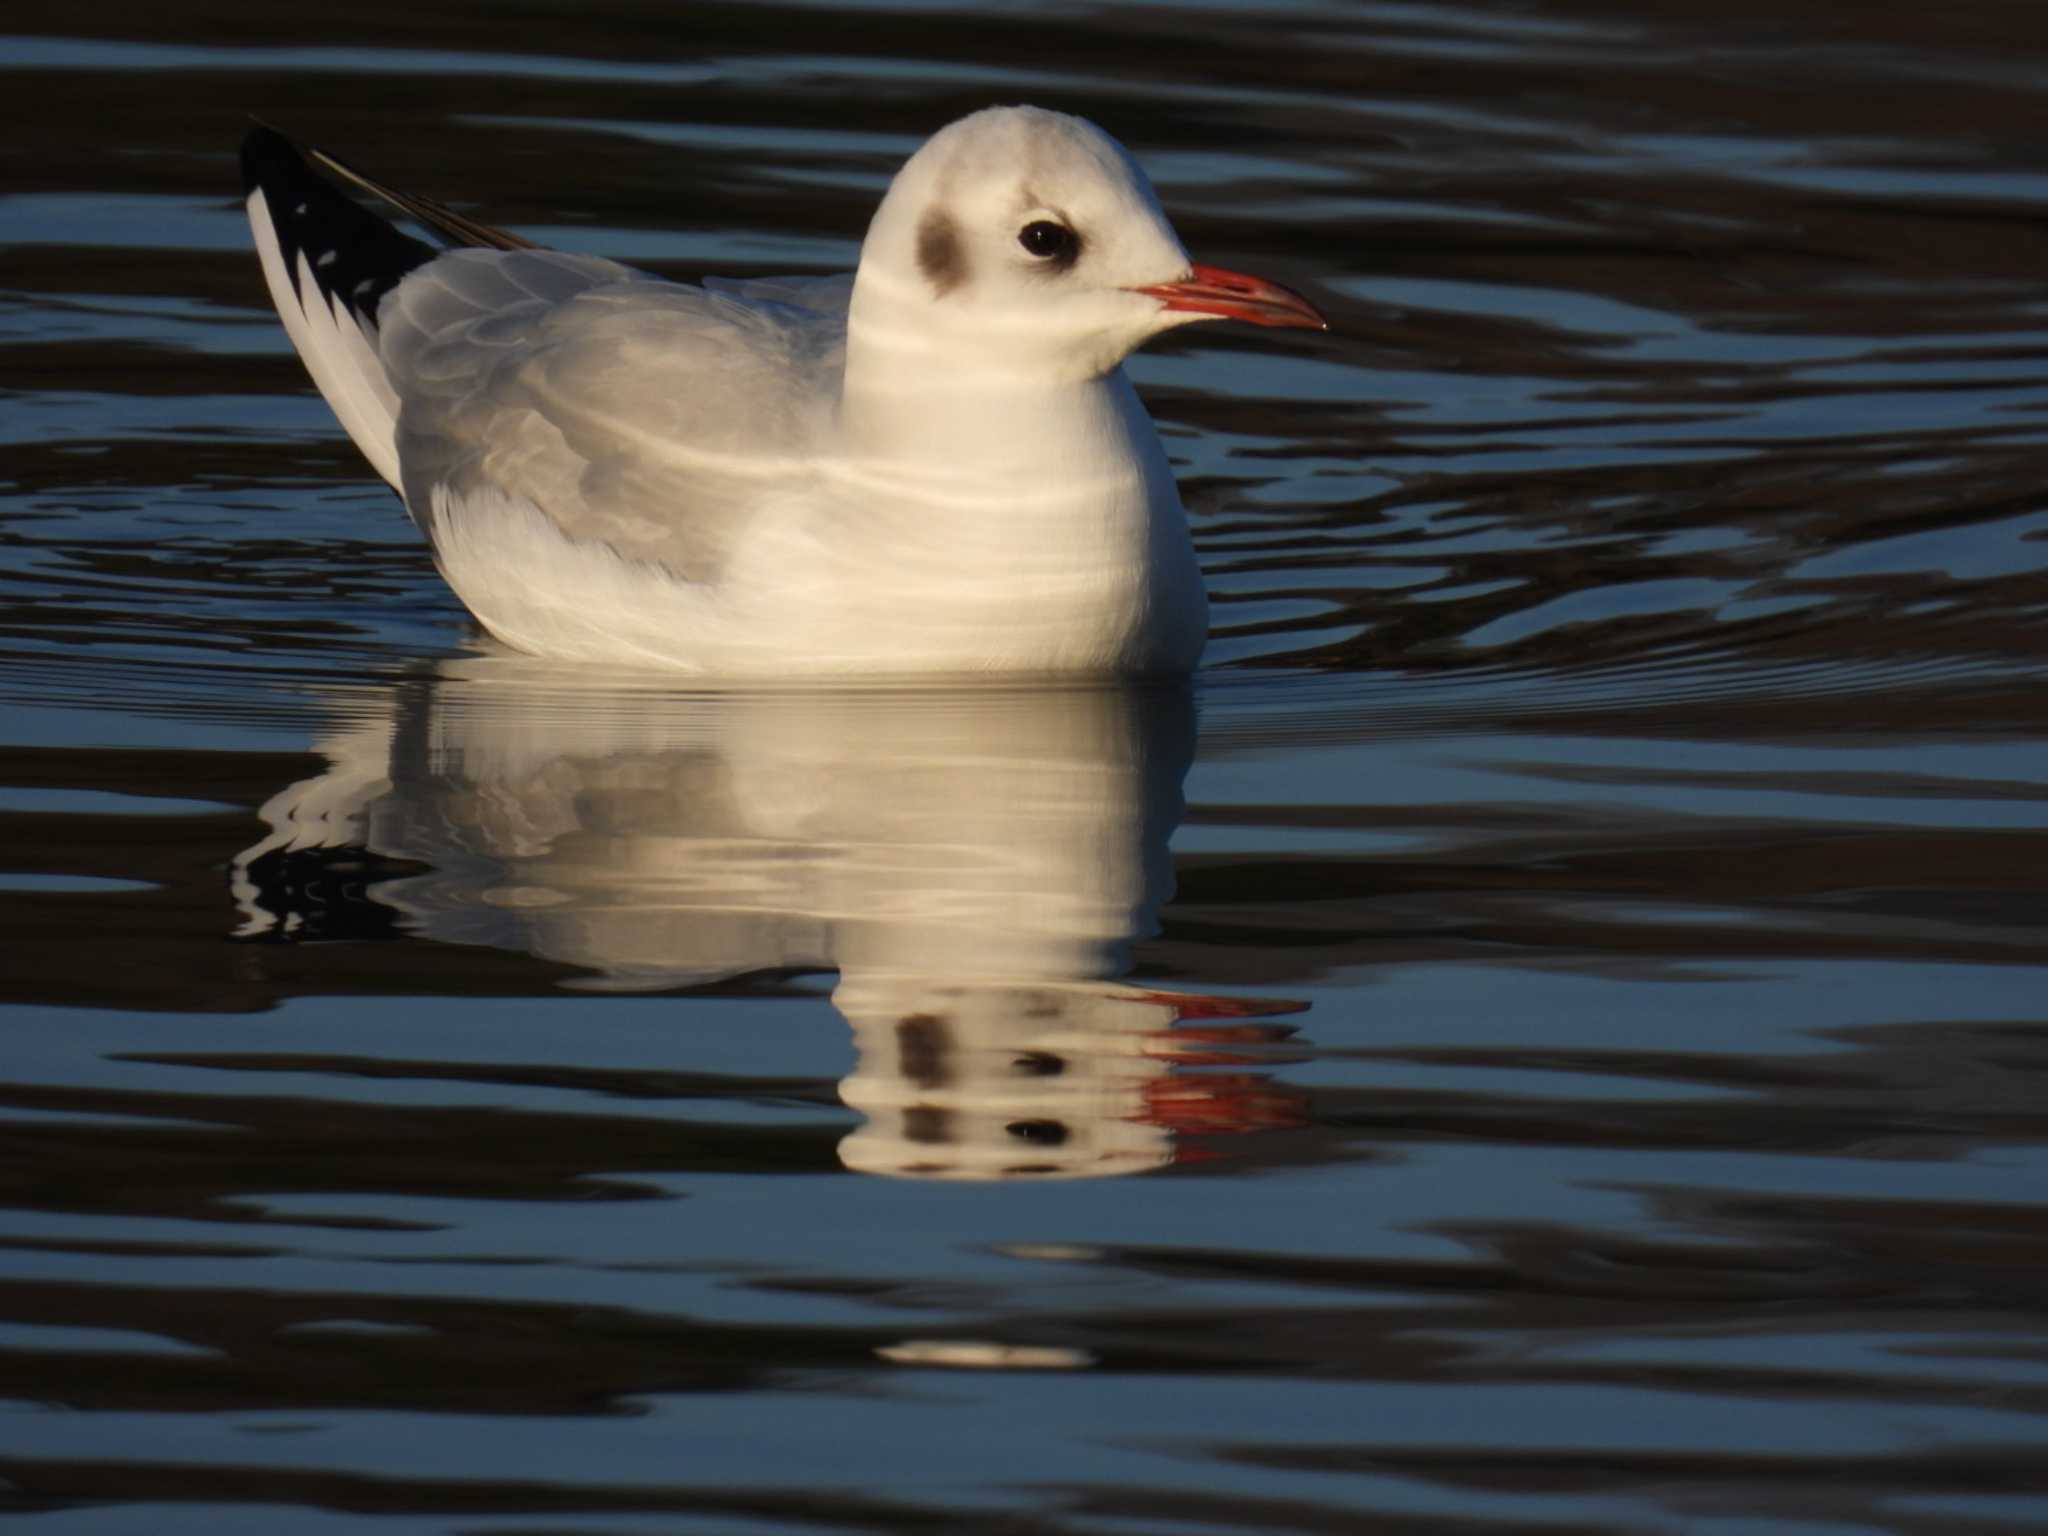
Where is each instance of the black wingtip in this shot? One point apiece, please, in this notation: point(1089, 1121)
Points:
point(275, 162)
point(355, 256)
point(268, 157)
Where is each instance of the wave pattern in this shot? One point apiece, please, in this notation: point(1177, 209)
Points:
point(1572, 1021)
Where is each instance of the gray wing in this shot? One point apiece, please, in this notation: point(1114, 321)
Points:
point(646, 415)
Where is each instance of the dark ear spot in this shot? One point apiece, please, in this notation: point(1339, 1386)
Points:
point(939, 255)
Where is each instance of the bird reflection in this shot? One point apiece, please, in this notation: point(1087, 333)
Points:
point(974, 864)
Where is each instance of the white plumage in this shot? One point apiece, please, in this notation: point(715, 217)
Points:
point(935, 466)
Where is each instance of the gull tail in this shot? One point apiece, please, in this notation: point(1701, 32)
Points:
point(329, 263)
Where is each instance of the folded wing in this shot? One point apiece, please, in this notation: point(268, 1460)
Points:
point(652, 417)
point(648, 417)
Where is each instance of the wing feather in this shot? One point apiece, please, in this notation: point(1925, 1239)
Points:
point(648, 416)
point(328, 265)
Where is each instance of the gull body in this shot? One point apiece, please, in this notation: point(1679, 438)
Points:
point(935, 466)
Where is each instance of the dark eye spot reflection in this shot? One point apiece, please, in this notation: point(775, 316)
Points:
point(1040, 1133)
point(1050, 242)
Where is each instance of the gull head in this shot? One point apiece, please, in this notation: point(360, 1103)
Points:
point(1027, 240)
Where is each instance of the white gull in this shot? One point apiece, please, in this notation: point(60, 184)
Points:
point(934, 466)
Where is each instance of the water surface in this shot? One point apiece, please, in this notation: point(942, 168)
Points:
point(1547, 1033)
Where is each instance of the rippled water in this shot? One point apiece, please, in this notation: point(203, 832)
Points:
point(1549, 1033)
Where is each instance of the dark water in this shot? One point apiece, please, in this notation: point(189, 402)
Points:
point(1550, 1033)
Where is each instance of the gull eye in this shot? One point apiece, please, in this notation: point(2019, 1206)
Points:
point(1050, 242)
